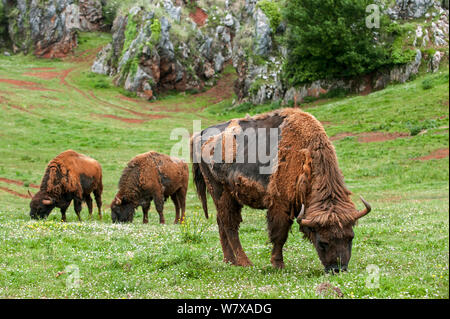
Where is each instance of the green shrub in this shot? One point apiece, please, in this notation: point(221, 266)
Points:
point(101, 84)
point(156, 31)
point(417, 127)
point(109, 11)
point(330, 40)
point(3, 21)
point(272, 11)
point(427, 84)
point(192, 228)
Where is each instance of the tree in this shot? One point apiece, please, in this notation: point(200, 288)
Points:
point(329, 39)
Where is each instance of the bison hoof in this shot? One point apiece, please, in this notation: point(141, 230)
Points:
point(244, 263)
point(278, 264)
point(145, 221)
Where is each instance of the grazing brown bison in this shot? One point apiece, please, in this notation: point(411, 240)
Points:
point(301, 181)
point(68, 176)
point(151, 176)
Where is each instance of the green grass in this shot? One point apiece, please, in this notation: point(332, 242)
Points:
point(406, 235)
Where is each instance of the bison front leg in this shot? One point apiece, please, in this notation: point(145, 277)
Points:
point(63, 211)
point(278, 224)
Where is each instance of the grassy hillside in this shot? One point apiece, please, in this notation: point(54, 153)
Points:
point(50, 106)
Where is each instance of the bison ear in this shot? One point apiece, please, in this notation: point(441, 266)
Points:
point(48, 201)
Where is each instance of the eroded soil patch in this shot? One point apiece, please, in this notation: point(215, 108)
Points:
point(380, 137)
point(436, 154)
point(14, 192)
point(199, 16)
point(25, 84)
point(370, 137)
point(15, 182)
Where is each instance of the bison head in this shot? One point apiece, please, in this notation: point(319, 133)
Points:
point(41, 205)
point(122, 211)
point(333, 242)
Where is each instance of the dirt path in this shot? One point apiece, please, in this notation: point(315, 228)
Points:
point(26, 196)
point(370, 137)
point(436, 154)
point(18, 183)
point(26, 85)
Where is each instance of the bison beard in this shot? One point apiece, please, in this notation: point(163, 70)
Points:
point(305, 185)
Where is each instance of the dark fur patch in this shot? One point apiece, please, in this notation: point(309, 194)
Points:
point(87, 183)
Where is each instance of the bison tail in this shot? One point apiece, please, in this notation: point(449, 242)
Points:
point(200, 186)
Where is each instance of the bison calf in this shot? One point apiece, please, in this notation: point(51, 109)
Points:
point(151, 176)
point(68, 176)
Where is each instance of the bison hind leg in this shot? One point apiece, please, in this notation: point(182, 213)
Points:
point(228, 219)
point(175, 201)
point(145, 209)
point(77, 206)
point(88, 200)
point(98, 201)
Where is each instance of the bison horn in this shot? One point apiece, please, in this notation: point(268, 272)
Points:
point(30, 194)
point(302, 221)
point(301, 214)
point(47, 201)
point(365, 211)
point(117, 200)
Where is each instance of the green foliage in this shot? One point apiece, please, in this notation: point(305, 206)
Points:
point(330, 40)
point(109, 11)
point(131, 31)
point(415, 127)
point(430, 82)
point(427, 84)
point(155, 27)
point(272, 10)
point(192, 228)
point(3, 21)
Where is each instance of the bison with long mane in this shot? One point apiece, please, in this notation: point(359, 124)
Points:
point(301, 182)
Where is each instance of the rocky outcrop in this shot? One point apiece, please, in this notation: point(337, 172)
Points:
point(258, 55)
point(91, 17)
point(48, 28)
point(406, 9)
point(161, 48)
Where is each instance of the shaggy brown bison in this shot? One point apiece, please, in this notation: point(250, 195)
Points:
point(151, 176)
point(299, 180)
point(68, 176)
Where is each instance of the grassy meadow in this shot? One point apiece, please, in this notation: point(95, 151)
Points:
point(401, 249)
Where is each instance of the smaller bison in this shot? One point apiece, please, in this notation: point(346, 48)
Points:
point(68, 176)
point(151, 176)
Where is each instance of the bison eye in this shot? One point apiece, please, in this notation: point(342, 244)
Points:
point(323, 245)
